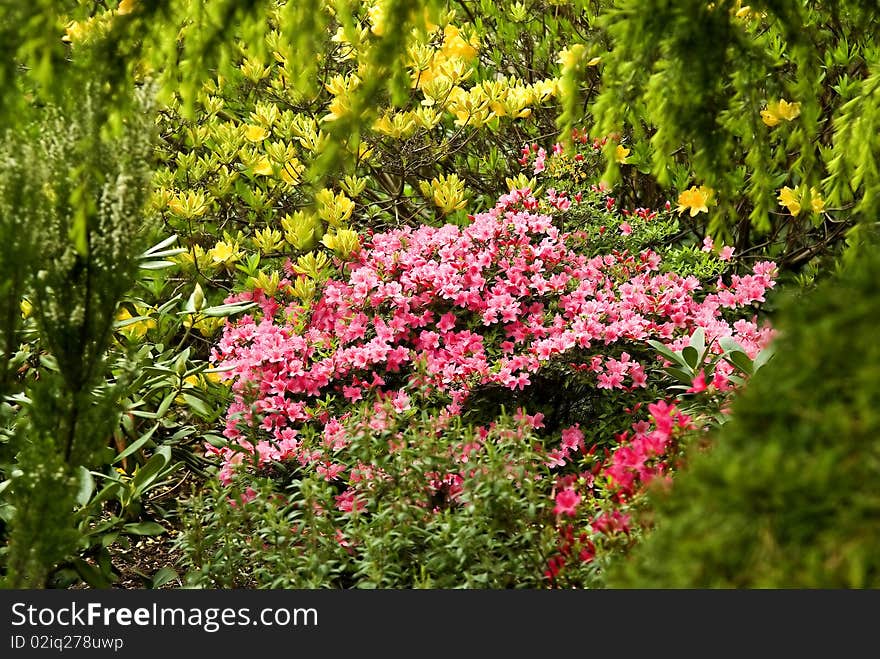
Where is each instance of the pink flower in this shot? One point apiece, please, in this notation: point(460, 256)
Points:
point(556, 458)
point(572, 438)
point(726, 253)
point(699, 383)
point(445, 310)
point(625, 228)
point(708, 244)
point(567, 502)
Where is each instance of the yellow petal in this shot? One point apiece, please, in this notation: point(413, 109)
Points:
point(255, 133)
point(789, 199)
point(789, 111)
point(769, 118)
point(263, 167)
point(816, 201)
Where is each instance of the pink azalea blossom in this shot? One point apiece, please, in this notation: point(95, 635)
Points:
point(567, 502)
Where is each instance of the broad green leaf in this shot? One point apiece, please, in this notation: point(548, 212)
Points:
point(156, 265)
point(197, 405)
point(698, 340)
point(86, 486)
point(691, 356)
point(136, 445)
point(667, 353)
point(144, 528)
point(146, 474)
point(741, 361)
point(763, 357)
point(92, 575)
point(728, 344)
point(163, 576)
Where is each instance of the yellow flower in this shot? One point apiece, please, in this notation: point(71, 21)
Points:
point(126, 7)
point(255, 133)
point(224, 253)
point(793, 200)
point(74, 31)
point(291, 171)
point(569, 57)
point(769, 118)
point(620, 154)
point(697, 199)
point(594, 61)
point(207, 326)
point(816, 201)
point(454, 44)
point(135, 330)
point(778, 110)
point(376, 16)
point(789, 199)
point(789, 111)
point(188, 206)
point(343, 242)
point(26, 308)
point(263, 167)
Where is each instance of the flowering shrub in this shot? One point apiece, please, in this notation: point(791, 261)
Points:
point(432, 501)
point(452, 309)
point(433, 317)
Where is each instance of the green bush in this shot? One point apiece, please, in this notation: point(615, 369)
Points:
point(414, 524)
point(787, 495)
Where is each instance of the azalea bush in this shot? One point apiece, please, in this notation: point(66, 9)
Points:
point(431, 502)
point(447, 319)
point(457, 309)
point(397, 380)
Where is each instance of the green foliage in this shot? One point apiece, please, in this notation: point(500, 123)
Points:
point(82, 206)
point(786, 496)
point(496, 532)
point(706, 82)
point(316, 120)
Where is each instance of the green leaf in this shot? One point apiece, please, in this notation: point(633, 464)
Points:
point(691, 356)
point(78, 233)
point(741, 361)
point(215, 440)
point(763, 357)
point(227, 309)
point(165, 404)
point(146, 474)
point(136, 445)
point(197, 405)
point(86, 486)
point(144, 528)
point(156, 265)
point(698, 340)
point(163, 576)
point(91, 575)
point(671, 356)
point(129, 321)
point(683, 376)
point(729, 345)
point(156, 250)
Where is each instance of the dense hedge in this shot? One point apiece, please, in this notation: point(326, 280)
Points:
point(788, 495)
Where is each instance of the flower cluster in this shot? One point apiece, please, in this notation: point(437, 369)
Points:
point(591, 506)
point(449, 309)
